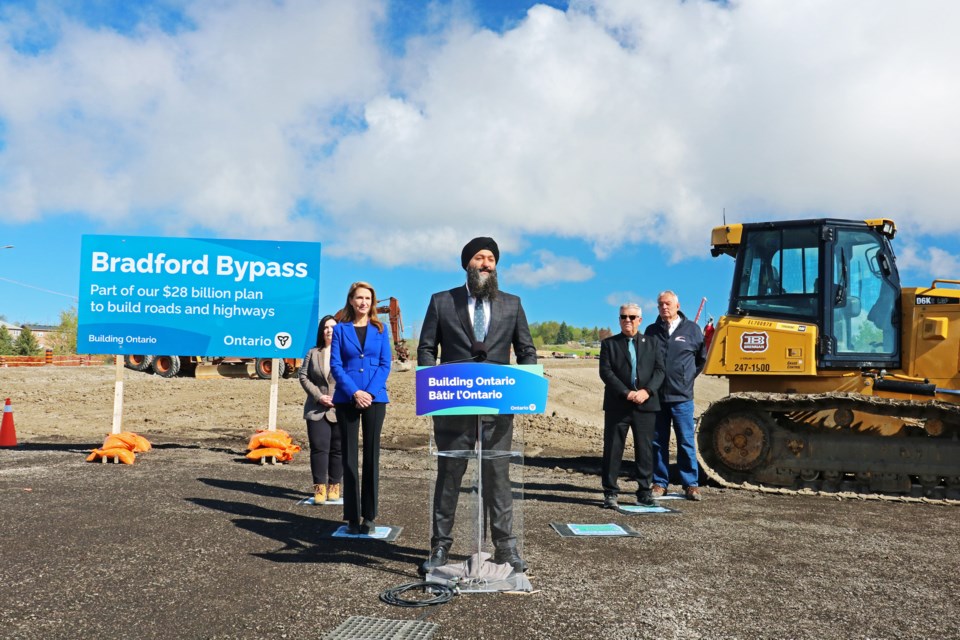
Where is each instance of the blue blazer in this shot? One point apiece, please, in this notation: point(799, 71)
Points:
point(357, 369)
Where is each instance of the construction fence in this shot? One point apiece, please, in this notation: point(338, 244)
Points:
point(48, 359)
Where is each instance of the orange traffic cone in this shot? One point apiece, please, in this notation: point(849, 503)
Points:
point(8, 435)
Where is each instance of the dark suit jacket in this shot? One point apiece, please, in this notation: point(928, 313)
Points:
point(357, 369)
point(317, 381)
point(616, 375)
point(447, 327)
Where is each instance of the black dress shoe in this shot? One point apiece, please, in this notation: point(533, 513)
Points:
point(438, 558)
point(510, 556)
point(353, 528)
point(367, 527)
point(645, 499)
point(610, 502)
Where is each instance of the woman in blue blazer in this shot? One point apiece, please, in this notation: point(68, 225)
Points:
point(360, 363)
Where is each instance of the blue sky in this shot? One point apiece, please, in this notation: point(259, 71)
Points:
point(597, 141)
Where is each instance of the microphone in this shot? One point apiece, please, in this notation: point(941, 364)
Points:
point(479, 351)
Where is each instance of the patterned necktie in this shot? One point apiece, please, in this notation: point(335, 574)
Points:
point(632, 349)
point(479, 321)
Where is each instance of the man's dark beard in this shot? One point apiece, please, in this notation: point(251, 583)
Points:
point(485, 289)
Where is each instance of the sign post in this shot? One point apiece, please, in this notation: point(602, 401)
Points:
point(118, 395)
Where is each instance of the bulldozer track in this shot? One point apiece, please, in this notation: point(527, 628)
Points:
point(778, 411)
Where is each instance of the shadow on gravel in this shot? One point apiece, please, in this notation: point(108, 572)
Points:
point(235, 452)
point(546, 492)
point(256, 488)
point(50, 446)
point(372, 554)
point(305, 538)
point(589, 465)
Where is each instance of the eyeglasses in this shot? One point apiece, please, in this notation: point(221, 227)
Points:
point(626, 317)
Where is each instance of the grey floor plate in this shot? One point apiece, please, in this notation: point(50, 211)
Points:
point(362, 628)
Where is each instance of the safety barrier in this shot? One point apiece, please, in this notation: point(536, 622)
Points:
point(48, 359)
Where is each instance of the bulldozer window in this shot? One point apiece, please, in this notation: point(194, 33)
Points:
point(780, 269)
point(863, 317)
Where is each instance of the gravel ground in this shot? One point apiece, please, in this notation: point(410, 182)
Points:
point(194, 542)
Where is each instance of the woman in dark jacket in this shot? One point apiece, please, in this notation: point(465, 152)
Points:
point(360, 361)
point(326, 462)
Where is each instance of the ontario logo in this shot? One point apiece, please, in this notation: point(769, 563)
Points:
point(754, 342)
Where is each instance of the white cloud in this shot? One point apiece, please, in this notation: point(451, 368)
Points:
point(616, 121)
point(648, 307)
point(641, 121)
point(216, 124)
point(927, 262)
point(617, 298)
point(944, 264)
point(552, 269)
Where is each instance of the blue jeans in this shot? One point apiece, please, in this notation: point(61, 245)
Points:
point(681, 415)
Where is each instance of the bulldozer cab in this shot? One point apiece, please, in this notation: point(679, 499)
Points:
point(838, 274)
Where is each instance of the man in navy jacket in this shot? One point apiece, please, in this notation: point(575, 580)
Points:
point(684, 356)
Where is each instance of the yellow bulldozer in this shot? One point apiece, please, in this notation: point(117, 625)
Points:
point(842, 382)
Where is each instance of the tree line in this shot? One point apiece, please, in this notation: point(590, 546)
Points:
point(552, 332)
point(62, 340)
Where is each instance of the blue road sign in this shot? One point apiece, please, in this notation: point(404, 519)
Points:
point(191, 296)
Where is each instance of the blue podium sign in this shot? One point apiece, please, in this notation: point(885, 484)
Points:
point(190, 296)
point(471, 388)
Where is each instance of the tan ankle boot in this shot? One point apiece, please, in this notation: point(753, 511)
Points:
point(333, 492)
point(319, 493)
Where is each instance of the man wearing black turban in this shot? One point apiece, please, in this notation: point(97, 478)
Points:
point(475, 246)
point(480, 322)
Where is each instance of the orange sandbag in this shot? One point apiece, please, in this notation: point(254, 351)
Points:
point(265, 452)
point(287, 454)
point(140, 443)
point(114, 441)
point(278, 439)
point(127, 440)
point(121, 453)
point(284, 454)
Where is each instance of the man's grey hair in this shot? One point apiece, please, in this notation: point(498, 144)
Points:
point(632, 305)
point(669, 293)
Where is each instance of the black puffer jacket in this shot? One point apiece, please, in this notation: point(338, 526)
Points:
point(684, 355)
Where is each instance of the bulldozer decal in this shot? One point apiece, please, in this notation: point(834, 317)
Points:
point(754, 342)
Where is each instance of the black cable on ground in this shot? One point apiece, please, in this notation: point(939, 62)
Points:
point(443, 594)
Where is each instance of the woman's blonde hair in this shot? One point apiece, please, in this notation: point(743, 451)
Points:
point(349, 315)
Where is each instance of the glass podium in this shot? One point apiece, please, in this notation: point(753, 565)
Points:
point(476, 501)
point(476, 446)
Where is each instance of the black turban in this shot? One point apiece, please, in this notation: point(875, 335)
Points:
point(477, 245)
